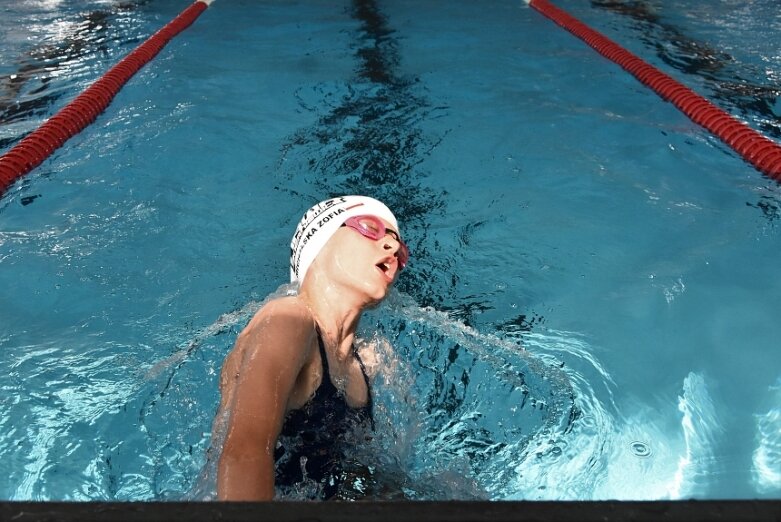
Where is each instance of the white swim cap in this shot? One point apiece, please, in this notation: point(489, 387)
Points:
point(322, 221)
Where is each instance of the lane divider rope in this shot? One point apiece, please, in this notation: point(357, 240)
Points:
point(760, 151)
point(34, 148)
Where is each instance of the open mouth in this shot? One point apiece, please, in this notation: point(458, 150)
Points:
point(385, 267)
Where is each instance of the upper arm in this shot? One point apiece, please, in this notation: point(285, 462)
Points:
point(275, 346)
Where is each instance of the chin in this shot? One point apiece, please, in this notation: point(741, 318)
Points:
point(375, 300)
point(376, 296)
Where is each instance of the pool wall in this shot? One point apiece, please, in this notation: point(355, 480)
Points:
point(691, 510)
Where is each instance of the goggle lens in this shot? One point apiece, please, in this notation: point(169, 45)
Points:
point(373, 228)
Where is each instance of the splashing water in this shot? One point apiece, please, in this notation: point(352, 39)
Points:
point(465, 415)
point(456, 407)
point(481, 416)
point(766, 459)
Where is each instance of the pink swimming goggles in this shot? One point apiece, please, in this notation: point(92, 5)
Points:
point(373, 228)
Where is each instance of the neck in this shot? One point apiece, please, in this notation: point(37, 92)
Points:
point(336, 311)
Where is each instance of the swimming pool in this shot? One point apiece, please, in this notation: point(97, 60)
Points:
point(551, 202)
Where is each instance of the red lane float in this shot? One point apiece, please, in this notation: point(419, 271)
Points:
point(761, 152)
point(34, 148)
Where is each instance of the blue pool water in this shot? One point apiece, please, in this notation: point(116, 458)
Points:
point(590, 310)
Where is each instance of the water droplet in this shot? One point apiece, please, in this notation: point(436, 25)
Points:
point(640, 448)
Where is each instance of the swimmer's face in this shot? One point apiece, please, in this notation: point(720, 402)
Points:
point(376, 228)
point(369, 265)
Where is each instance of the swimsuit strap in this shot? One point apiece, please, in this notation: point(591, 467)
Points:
point(369, 403)
point(365, 376)
point(321, 344)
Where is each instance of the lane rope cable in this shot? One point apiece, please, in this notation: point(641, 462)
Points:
point(34, 148)
point(760, 151)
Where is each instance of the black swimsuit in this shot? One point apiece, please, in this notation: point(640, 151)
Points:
point(312, 437)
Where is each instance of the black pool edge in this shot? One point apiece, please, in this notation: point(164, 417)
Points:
point(455, 511)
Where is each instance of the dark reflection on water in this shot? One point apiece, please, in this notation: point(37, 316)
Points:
point(770, 206)
point(371, 142)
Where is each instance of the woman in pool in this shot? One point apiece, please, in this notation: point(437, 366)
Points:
point(294, 373)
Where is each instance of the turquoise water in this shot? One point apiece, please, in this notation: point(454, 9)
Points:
point(590, 308)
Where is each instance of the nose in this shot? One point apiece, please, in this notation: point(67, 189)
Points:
point(390, 243)
point(396, 248)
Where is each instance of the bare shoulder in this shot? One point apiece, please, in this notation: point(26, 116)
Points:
point(290, 308)
point(284, 323)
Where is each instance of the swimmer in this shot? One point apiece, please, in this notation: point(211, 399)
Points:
point(294, 372)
